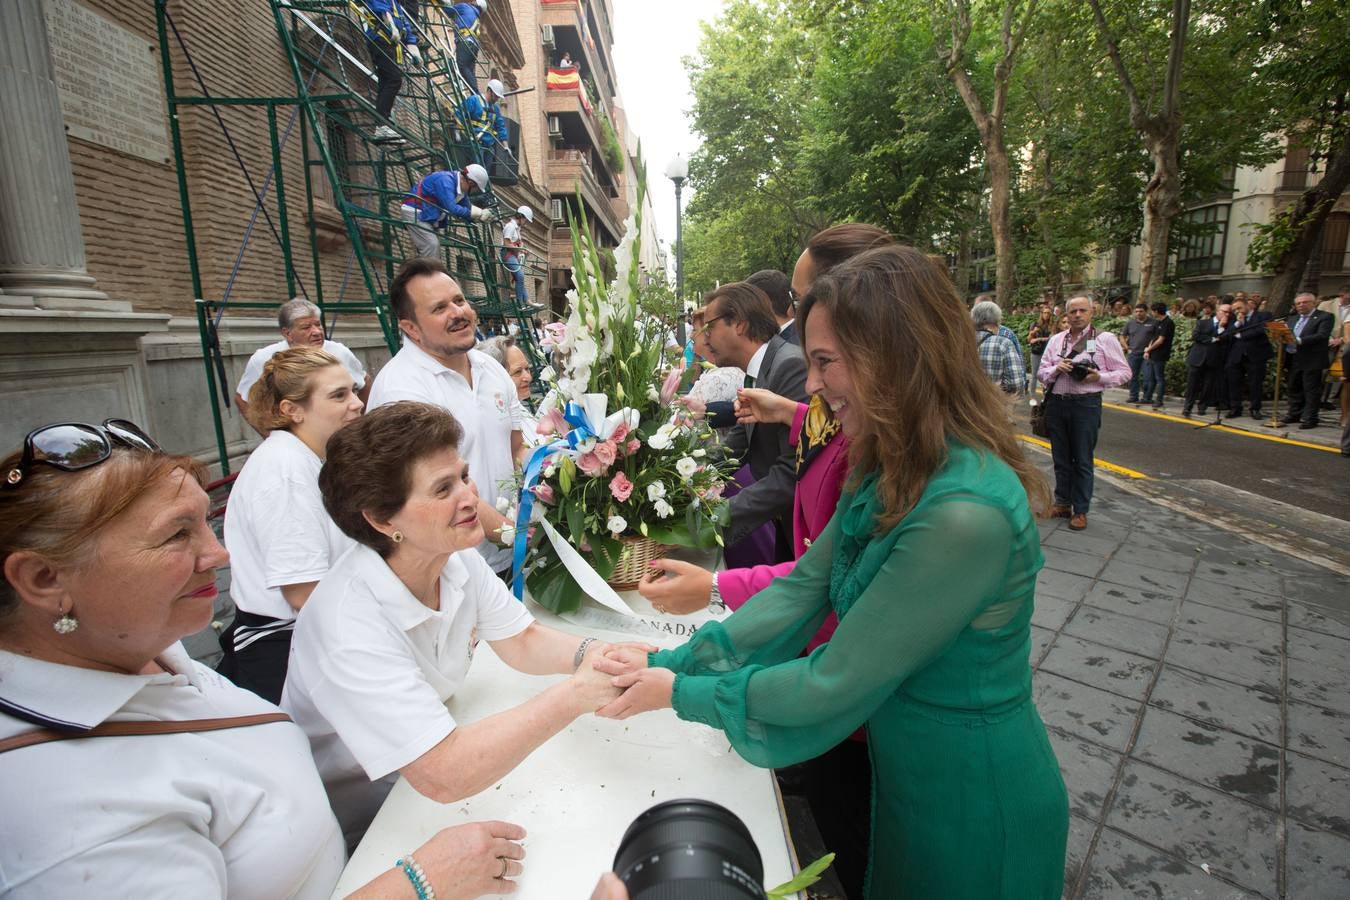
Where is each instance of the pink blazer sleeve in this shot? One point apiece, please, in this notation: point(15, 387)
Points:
point(739, 585)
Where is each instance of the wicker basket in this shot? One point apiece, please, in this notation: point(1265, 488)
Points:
point(634, 558)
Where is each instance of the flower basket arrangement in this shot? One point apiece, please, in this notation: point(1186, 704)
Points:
point(625, 473)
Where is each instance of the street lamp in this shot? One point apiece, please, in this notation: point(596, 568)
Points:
point(678, 171)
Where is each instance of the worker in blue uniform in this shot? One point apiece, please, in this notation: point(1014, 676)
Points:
point(391, 41)
point(438, 197)
point(467, 17)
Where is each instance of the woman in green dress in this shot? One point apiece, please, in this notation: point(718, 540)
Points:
point(930, 563)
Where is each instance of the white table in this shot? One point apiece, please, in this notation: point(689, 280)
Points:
point(577, 793)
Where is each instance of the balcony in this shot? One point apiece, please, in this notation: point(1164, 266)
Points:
point(581, 129)
point(1295, 180)
point(569, 172)
point(569, 35)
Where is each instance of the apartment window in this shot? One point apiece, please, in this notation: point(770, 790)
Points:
point(1120, 268)
point(1201, 251)
point(1335, 236)
point(1295, 174)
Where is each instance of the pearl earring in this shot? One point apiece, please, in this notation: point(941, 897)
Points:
point(66, 624)
point(396, 537)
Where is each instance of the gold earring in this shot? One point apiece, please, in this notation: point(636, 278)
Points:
point(396, 537)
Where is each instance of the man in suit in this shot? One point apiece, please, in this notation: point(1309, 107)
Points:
point(740, 330)
point(1247, 357)
point(779, 288)
point(1306, 358)
point(1202, 361)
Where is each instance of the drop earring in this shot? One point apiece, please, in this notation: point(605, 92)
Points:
point(66, 624)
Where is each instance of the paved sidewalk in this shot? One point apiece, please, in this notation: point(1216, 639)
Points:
point(1195, 686)
point(1327, 434)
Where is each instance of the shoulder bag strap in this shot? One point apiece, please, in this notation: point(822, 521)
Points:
point(124, 729)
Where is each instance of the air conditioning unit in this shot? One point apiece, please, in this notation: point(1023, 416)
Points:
point(554, 126)
point(548, 36)
point(556, 209)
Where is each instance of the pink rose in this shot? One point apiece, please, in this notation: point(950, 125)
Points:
point(634, 445)
point(621, 487)
point(605, 451)
point(620, 432)
point(552, 422)
point(590, 464)
point(544, 493)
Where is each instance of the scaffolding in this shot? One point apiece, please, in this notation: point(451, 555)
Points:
point(366, 181)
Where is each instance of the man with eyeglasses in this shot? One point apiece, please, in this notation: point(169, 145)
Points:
point(740, 330)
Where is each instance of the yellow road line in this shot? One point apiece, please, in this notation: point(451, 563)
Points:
point(1228, 429)
point(1101, 463)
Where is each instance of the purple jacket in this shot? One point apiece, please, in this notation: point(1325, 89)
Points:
point(813, 503)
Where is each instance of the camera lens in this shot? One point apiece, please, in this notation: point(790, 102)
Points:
point(689, 850)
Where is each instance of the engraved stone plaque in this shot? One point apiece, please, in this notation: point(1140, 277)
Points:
point(109, 81)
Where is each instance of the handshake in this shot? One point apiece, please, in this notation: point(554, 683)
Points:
point(614, 681)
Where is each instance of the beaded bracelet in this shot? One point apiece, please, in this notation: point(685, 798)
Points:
point(421, 884)
point(581, 652)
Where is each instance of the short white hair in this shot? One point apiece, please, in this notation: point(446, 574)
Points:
point(294, 310)
point(495, 347)
point(986, 313)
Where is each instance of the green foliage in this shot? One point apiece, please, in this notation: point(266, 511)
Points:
point(611, 146)
point(1272, 240)
point(802, 880)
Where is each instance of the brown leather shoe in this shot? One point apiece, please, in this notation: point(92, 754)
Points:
point(1060, 511)
point(1078, 522)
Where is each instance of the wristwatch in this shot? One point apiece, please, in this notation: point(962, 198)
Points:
point(715, 602)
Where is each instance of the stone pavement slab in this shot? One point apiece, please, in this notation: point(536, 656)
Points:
point(1196, 686)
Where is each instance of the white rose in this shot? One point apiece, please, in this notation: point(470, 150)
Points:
point(503, 504)
point(656, 491)
point(617, 525)
point(660, 441)
point(686, 467)
point(664, 509)
point(700, 453)
point(508, 534)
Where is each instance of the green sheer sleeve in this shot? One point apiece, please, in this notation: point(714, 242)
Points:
point(772, 626)
point(947, 565)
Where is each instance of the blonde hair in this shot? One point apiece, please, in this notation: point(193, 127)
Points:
point(286, 376)
point(58, 514)
point(892, 308)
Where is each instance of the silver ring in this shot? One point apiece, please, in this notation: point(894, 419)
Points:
point(505, 866)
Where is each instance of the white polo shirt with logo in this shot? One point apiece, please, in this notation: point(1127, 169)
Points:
point(487, 410)
point(372, 666)
point(254, 368)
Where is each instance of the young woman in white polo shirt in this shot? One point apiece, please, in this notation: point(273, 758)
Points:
point(126, 768)
point(387, 636)
point(281, 541)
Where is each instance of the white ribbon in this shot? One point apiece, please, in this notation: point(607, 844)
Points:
point(586, 577)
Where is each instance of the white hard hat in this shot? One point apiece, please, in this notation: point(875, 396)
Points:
point(497, 88)
point(482, 4)
point(478, 175)
point(527, 213)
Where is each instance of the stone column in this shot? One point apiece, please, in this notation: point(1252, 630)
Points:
point(42, 259)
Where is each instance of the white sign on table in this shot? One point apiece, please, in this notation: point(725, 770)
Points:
point(577, 794)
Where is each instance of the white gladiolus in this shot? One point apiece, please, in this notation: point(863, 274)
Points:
point(656, 491)
point(617, 525)
point(686, 466)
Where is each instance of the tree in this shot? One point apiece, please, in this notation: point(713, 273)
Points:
point(1161, 132)
point(989, 118)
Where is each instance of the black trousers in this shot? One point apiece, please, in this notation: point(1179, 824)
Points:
point(1250, 374)
point(1200, 383)
point(466, 60)
point(388, 75)
point(1305, 394)
point(838, 786)
point(1073, 421)
point(259, 667)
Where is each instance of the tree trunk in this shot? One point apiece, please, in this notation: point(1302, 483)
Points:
point(1311, 209)
point(963, 263)
point(1000, 217)
point(1162, 202)
point(1312, 272)
point(1054, 273)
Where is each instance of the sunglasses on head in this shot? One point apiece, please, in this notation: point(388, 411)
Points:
point(71, 446)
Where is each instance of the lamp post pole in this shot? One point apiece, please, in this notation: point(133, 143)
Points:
point(678, 171)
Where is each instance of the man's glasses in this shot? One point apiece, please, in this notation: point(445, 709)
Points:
point(708, 323)
point(71, 446)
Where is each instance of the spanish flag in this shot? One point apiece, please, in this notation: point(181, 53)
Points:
point(569, 80)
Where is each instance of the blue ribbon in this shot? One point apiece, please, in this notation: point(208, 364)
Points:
point(582, 430)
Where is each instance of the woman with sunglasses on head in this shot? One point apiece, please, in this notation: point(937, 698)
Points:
point(280, 539)
point(930, 563)
point(125, 766)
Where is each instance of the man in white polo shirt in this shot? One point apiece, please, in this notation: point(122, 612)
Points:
point(438, 364)
point(301, 325)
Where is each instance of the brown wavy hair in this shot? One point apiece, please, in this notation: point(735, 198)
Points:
point(844, 241)
point(906, 338)
point(286, 376)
